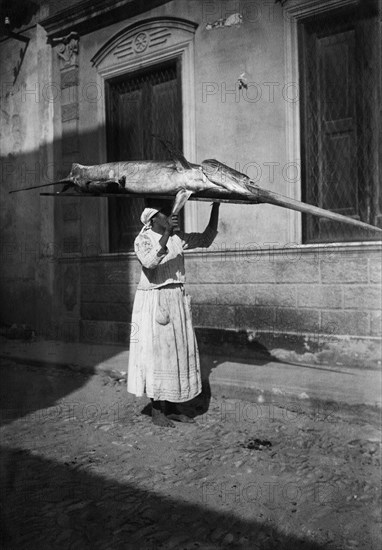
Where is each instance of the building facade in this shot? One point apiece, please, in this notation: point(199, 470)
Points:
point(287, 92)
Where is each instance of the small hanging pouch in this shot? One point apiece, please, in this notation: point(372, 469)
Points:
point(162, 316)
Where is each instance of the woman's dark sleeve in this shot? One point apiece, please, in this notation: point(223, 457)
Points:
point(197, 240)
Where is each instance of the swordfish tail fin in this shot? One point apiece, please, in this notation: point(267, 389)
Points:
point(269, 197)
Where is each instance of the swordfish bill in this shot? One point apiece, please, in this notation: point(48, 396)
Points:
point(223, 175)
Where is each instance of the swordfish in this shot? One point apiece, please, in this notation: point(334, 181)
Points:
point(182, 179)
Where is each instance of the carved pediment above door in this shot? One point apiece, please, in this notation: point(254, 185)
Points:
point(143, 45)
point(141, 42)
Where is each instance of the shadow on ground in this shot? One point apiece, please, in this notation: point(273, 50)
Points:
point(25, 390)
point(53, 505)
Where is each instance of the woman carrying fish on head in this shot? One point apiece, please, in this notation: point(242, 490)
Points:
point(164, 358)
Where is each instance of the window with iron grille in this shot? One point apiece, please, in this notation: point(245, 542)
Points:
point(138, 106)
point(339, 57)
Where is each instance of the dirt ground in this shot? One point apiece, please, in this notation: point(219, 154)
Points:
point(82, 466)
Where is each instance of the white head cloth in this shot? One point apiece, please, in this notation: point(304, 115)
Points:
point(146, 216)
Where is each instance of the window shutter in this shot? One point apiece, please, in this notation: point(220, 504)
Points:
point(340, 90)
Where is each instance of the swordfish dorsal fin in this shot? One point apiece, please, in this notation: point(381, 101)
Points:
point(181, 162)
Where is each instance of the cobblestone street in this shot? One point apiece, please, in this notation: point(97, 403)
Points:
point(82, 466)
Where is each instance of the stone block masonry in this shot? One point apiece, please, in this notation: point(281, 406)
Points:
point(316, 293)
point(332, 290)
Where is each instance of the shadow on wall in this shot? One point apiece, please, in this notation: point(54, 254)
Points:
point(49, 243)
point(39, 232)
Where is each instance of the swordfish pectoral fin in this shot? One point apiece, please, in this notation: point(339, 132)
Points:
point(181, 198)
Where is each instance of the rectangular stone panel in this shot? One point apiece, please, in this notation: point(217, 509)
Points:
point(345, 322)
point(344, 270)
point(105, 312)
point(319, 296)
point(261, 269)
point(70, 141)
point(363, 297)
point(376, 324)
point(71, 245)
point(304, 269)
point(121, 293)
point(243, 294)
point(297, 320)
point(69, 95)
point(69, 112)
point(375, 271)
point(122, 271)
point(105, 332)
point(213, 316)
point(69, 77)
point(71, 211)
point(70, 144)
point(255, 318)
point(208, 270)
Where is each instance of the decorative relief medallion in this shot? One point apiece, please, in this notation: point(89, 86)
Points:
point(69, 77)
point(70, 288)
point(69, 112)
point(140, 42)
point(71, 212)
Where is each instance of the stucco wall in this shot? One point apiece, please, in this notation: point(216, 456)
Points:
point(27, 236)
point(245, 129)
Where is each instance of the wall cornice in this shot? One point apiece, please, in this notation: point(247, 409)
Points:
point(90, 15)
point(251, 253)
point(304, 8)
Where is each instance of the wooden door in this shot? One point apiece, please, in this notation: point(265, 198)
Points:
point(140, 105)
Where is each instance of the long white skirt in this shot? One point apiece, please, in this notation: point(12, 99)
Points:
point(164, 358)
